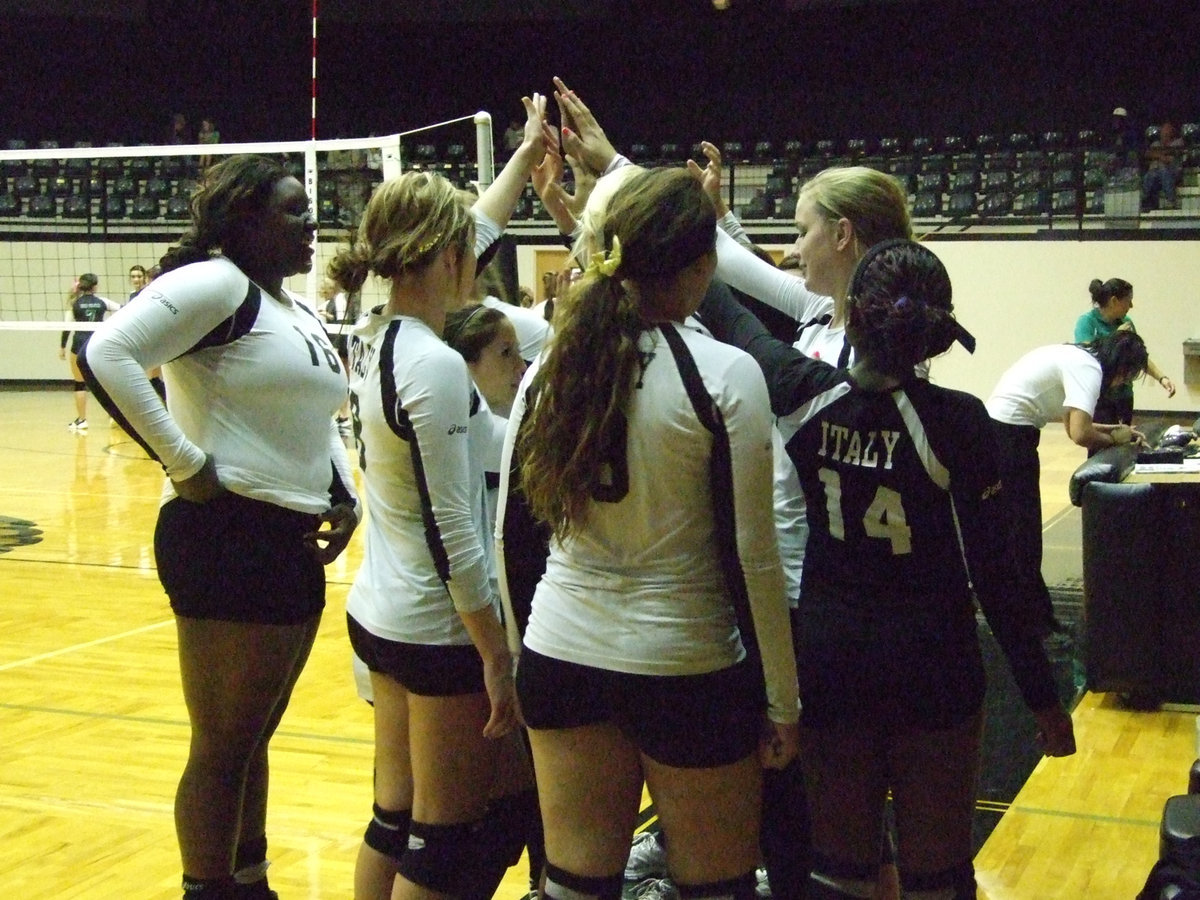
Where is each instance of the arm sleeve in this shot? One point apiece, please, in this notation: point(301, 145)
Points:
point(792, 378)
point(439, 414)
point(741, 269)
point(341, 484)
point(159, 325)
point(730, 224)
point(992, 562)
point(1085, 329)
point(749, 425)
point(487, 239)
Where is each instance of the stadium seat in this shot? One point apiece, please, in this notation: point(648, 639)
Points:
point(987, 143)
point(1019, 141)
point(857, 147)
point(639, 153)
point(1087, 138)
point(158, 188)
point(935, 162)
point(759, 206)
point(1062, 179)
point(1052, 140)
point(1062, 203)
point(40, 206)
point(122, 186)
point(1190, 132)
point(24, 185)
point(1152, 133)
point(1032, 203)
point(671, 151)
point(931, 182)
point(997, 204)
point(173, 166)
point(1095, 202)
point(59, 186)
point(144, 208)
point(954, 143)
point(826, 147)
point(456, 152)
point(997, 181)
point(926, 205)
point(961, 204)
point(77, 167)
point(901, 166)
point(1093, 178)
point(777, 186)
point(963, 181)
point(794, 149)
point(178, 207)
point(965, 161)
point(891, 146)
point(764, 151)
point(10, 205)
point(1000, 160)
point(76, 207)
point(1031, 159)
point(785, 208)
point(140, 167)
point(327, 210)
point(921, 145)
point(1063, 159)
point(731, 151)
point(115, 207)
point(1028, 180)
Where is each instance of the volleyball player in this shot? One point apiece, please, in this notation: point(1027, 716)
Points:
point(905, 523)
point(254, 467)
point(421, 613)
point(83, 305)
point(634, 665)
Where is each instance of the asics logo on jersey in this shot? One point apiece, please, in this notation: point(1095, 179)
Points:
point(850, 447)
point(163, 301)
point(457, 429)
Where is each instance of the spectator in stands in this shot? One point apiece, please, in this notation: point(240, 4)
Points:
point(82, 306)
point(1164, 163)
point(513, 135)
point(177, 132)
point(1111, 302)
point(1124, 139)
point(208, 134)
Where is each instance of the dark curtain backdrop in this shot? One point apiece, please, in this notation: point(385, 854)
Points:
point(663, 70)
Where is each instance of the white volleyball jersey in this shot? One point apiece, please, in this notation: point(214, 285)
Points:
point(251, 380)
point(640, 588)
point(412, 398)
point(1042, 384)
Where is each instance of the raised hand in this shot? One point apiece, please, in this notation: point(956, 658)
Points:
point(582, 136)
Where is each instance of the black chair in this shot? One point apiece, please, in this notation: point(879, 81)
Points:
point(140, 167)
point(110, 167)
point(764, 151)
point(997, 204)
point(122, 186)
point(639, 152)
point(1033, 203)
point(1063, 159)
point(1062, 179)
point(77, 167)
point(987, 143)
point(158, 188)
point(24, 185)
point(456, 152)
point(1152, 133)
point(731, 151)
point(1028, 180)
point(1031, 159)
point(965, 161)
point(1094, 178)
point(901, 166)
point(926, 205)
point(1019, 141)
point(76, 207)
point(891, 146)
point(997, 181)
point(1190, 132)
point(1087, 138)
point(115, 207)
point(1000, 160)
point(173, 166)
point(425, 152)
point(178, 207)
point(10, 205)
point(826, 147)
point(795, 149)
point(1052, 140)
point(40, 206)
point(1062, 203)
point(931, 182)
point(59, 186)
point(935, 162)
point(964, 181)
point(145, 208)
point(327, 210)
point(921, 144)
point(961, 204)
point(1095, 202)
point(954, 143)
point(857, 147)
point(1102, 159)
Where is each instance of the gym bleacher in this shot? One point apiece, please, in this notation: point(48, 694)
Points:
point(1004, 181)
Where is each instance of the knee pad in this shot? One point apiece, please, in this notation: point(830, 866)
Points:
point(564, 885)
point(80, 386)
point(832, 879)
point(954, 883)
point(388, 831)
point(508, 822)
point(740, 888)
point(437, 856)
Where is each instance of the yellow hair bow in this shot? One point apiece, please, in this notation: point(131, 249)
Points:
point(606, 263)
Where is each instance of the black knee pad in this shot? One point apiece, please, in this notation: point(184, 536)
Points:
point(954, 883)
point(740, 888)
point(437, 856)
point(561, 885)
point(80, 386)
point(388, 831)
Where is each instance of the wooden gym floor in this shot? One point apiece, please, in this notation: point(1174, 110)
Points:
point(95, 735)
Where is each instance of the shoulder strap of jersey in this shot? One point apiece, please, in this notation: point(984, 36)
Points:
point(721, 481)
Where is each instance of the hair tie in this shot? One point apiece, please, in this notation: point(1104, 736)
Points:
point(429, 244)
point(606, 264)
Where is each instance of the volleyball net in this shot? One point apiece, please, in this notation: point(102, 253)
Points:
point(103, 210)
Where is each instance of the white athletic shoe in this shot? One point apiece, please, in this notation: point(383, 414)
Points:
point(647, 858)
point(78, 425)
point(762, 887)
point(655, 889)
